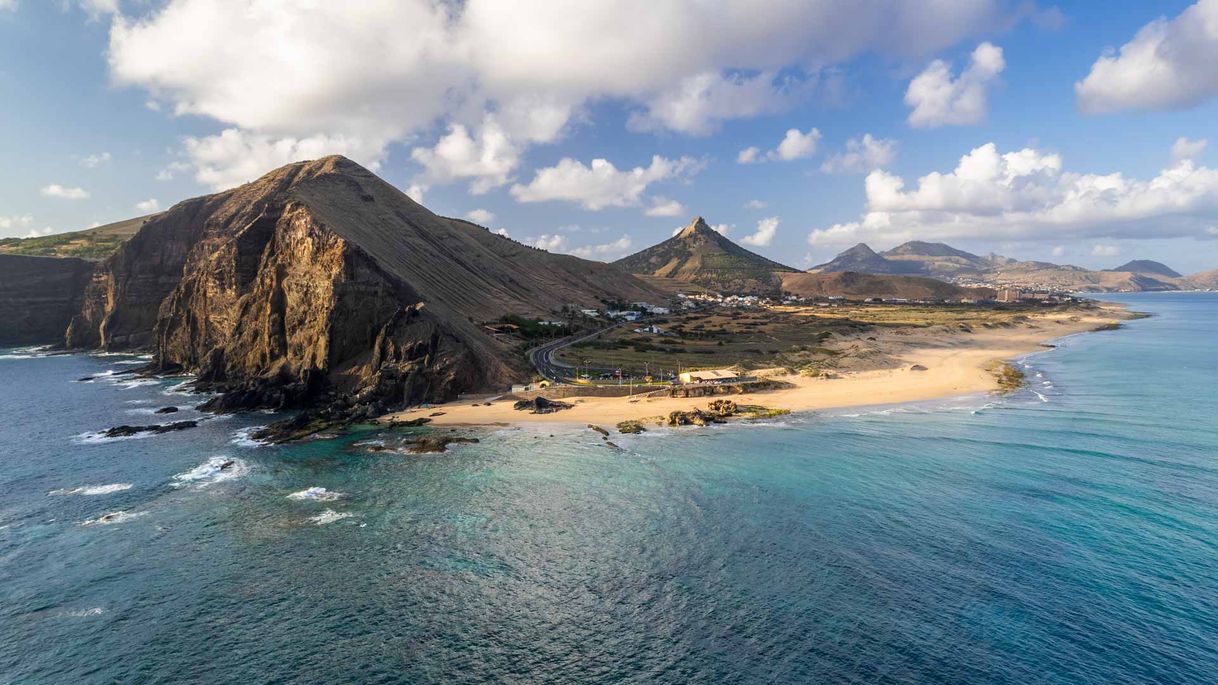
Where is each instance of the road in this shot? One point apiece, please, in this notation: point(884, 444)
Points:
point(542, 356)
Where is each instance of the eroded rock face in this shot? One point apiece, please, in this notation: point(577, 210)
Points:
point(38, 297)
point(272, 308)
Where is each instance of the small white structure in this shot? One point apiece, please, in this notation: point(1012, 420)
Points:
point(625, 315)
point(708, 376)
point(590, 313)
point(658, 310)
point(653, 329)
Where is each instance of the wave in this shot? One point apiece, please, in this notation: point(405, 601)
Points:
point(113, 518)
point(214, 470)
point(245, 437)
point(317, 494)
point(85, 613)
point(91, 490)
point(100, 438)
point(329, 516)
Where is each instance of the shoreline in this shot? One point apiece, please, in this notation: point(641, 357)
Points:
point(954, 365)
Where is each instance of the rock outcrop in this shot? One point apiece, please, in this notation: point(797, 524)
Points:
point(38, 297)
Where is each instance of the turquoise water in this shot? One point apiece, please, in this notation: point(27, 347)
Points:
point(1066, 535)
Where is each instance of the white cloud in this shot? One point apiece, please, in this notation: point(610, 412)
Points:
point(699, 104)
point(1185, 148)
point(755, 204)
point(605, 252)
point(795, 144)
point(1026, 195)
point(8, 5)
point(417, 192)
point(302, 70)
point(862, 155)
point(235, 156)
point(555, 242)
point(1105, 251)
point(662, 206)
point(938, 99)
point(1168, 64)
point(10, 225)
point(766, 229)
point(94, 161)
point(601, 184)
point(1058, 250)
point(172, 170)
point(503, 232)
point(64, 192)
point(148, 206)
point(482, 217)
point(97, 8)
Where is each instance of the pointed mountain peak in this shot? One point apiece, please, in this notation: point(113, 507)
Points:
point(860, 250)
point(696, 227)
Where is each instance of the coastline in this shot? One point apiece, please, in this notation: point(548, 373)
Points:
point(954, 365)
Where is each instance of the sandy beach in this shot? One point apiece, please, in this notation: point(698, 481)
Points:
point(955, 364)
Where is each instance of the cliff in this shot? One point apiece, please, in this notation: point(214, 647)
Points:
point(322, 285)
point(38, 296)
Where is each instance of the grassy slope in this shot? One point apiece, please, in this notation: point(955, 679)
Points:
point(94, 243)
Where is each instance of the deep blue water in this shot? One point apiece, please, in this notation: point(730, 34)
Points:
point(1066, 535)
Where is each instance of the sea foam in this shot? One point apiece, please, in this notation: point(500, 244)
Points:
point(214, 470)
point(91, 490)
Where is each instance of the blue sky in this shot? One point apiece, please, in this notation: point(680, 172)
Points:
point(113, 107)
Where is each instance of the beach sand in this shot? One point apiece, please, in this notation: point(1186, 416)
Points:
point(955, 364)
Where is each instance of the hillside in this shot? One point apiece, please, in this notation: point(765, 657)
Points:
point(700, 255)
point(1206, 280)
point(943, 262)
point(94, 243)
point(857, 286)
point(1147, 266)
point(320, 285)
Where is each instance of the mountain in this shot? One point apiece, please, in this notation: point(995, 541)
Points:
point(319, 284)
point(700, 255)
point(93, 243)
point(858, 285)
point(1147, 266)
point(943, 262)
point(860, 259)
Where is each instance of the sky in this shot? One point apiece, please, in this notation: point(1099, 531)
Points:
point(1075, 132)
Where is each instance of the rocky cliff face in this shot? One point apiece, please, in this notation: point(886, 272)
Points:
point(38, 296)
point(319, 285)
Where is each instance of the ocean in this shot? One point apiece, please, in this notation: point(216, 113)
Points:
point(1064, 534)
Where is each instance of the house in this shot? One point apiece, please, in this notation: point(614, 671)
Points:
point(653, 329)
point(551, 323)
point(590, 313)
point(658, 310)
point(624, 314)
point(708, 376)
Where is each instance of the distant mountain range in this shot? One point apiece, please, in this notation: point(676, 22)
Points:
point(700, 255)
point(946, 263)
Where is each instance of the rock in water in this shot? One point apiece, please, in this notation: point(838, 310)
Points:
point(127, 431)
point(167, 410)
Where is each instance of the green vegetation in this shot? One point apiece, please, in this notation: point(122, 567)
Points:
point(1009, 378)
point(94, 243)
